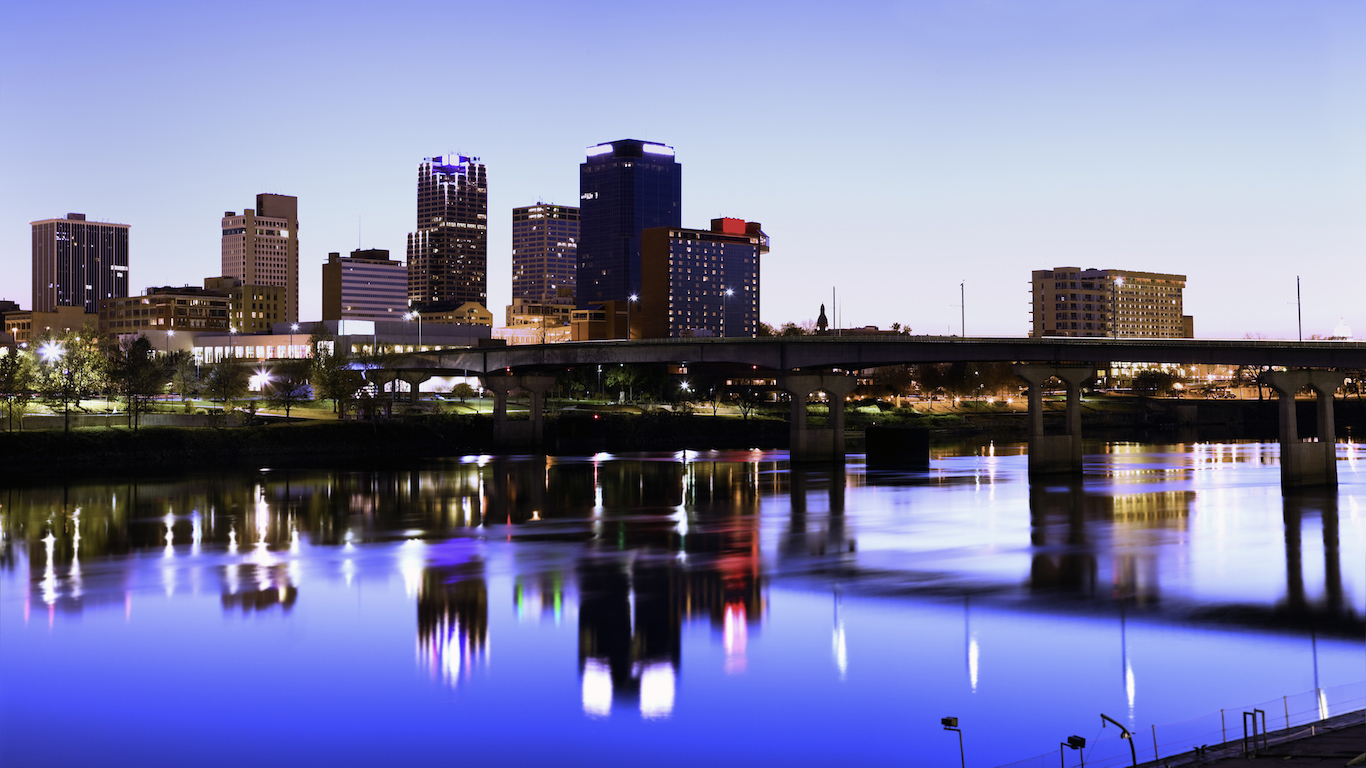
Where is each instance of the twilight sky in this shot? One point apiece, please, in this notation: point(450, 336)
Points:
point(891, 149)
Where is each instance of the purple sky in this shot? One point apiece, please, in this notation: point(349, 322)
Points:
point(892, 149)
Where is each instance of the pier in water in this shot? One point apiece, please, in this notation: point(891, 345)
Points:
point(671, 609)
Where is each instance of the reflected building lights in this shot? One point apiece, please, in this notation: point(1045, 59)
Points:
point(597, 689)
point(838, 646)
point(657, 691)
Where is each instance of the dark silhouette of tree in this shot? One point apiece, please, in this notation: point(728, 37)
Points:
point(138, 376)
point(16, 382)
point(226, 381)
point(334, 377)
point(184, 377)
point(289, 385)
point(1155, 383)
point(463, 391)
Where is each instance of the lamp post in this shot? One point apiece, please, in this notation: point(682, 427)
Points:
point(418, 315)
point(725, 305)
point(1073, 742)
point(951, 724)
point(169, 334)
point(633, 298)
point(1114, 306)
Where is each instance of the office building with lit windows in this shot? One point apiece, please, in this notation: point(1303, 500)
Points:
point(76, 263)
point(367, 285)
point(1069, 301)
point(625, 188)
point(545, 251)
point(261, 248)
point(700, 282)
point(448, 252)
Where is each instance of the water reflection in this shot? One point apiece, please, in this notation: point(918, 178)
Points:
point(628, 554)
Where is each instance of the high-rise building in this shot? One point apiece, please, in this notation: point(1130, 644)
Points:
point(1069, 301)
point(700, 282)
point(77, 262)
point(625, 187)
point(261, 247)
point(448, 254)
point(367, 285)
point(545, 251)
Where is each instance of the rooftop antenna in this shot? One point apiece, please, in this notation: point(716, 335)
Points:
point(358, 239)
point(1299, 307)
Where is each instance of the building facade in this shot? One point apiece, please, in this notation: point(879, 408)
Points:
point(1118, 303)
point(166, 309)
point(448, 253)
point(77, 262)
point(261, 247)
point(545, 251)
point(251, 308)
point(24, 326)
point(700, 282)
point(367, 285)
point(625, 188)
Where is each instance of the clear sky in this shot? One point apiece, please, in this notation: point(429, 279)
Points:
point(891, 149)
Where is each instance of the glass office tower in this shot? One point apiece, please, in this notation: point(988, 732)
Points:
point(625, 187)
point(448, 254)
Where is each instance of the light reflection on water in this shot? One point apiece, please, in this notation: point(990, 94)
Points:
point(721, 603)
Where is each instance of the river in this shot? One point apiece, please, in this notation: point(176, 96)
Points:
point(675, 609)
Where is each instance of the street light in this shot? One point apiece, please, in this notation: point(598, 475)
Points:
point(418, 315)
point(629, 301)
point(1073, 742)
point(169, 334)
point(50, 351)
point(951, 724)
point(725, 304)
point(1114, 306)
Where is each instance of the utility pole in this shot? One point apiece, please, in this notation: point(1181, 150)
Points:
point(1299, 307)
point(963, 308)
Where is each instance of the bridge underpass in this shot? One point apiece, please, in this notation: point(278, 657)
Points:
point(803, 366)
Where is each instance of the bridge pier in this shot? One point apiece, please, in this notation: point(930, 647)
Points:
point(518, 434)
point(414, 380)
point(1055, 454)
point(1307, 463)
point(817, 444)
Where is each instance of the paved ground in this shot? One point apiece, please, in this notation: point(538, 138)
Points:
point(1336, 741)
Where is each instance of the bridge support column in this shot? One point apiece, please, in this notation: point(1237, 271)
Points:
point(1055, 454)
point(816, 444)
point(1307, 463)
point(414, 380)
point(518, 434)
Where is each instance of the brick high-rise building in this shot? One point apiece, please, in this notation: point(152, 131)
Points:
point(1069, 301)
point(625, 187)
point(448, 254)
point(76, 263)
point(700, 282)
point(545, 251)
point(261, 247)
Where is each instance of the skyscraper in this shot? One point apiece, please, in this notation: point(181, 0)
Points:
point(545, 251)
point(77, 262)
point(448, 254)
point(625, 187)
point(261, 247)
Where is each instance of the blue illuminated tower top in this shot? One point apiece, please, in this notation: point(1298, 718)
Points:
point(625, 187)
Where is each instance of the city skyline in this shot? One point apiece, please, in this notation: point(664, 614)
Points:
point(899, 151)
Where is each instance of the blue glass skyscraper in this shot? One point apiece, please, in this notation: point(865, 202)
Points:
point(625, 187)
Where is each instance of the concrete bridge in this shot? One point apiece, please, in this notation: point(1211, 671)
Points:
point(806, 365)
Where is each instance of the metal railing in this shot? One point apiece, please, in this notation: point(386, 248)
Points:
point(1216, 730)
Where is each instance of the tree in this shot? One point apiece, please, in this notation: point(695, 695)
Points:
point(184, 377)
point(792, 329)
point(16, 382)
point(72, 368)
point(333, 376)
point(766, 331)
point(1152, 382)
point(463, 391)
point(624, 377)
point(226, 381)
point(289, 385)
point(138, 375)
